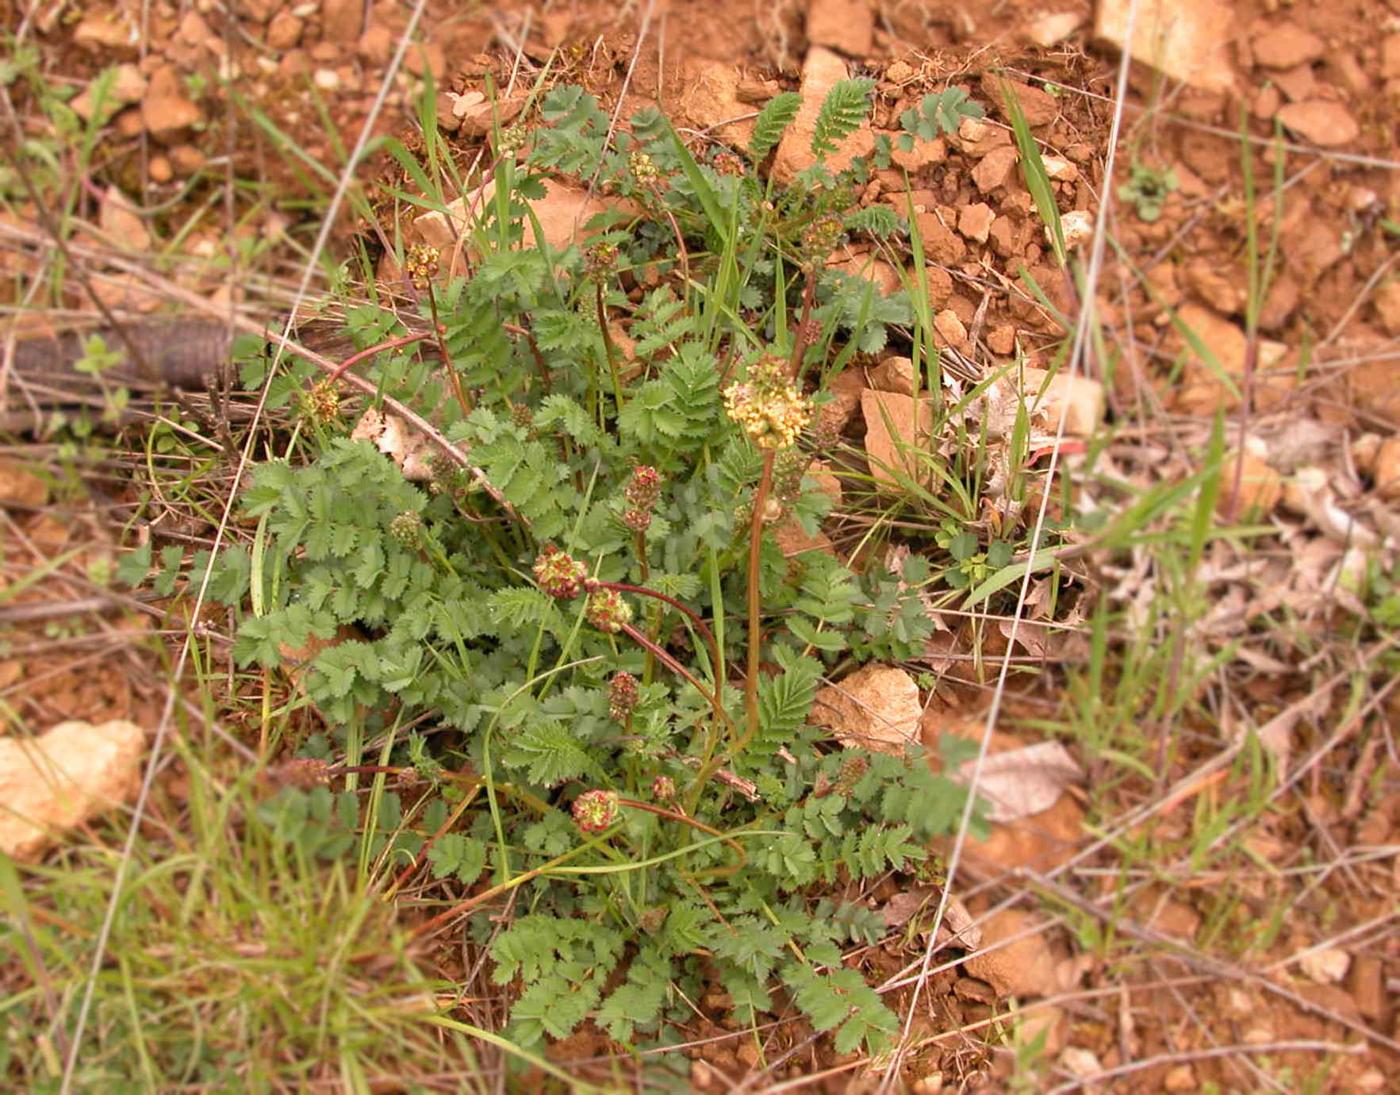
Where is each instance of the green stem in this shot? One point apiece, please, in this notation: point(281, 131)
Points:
point(608, 347)
point(760, 501)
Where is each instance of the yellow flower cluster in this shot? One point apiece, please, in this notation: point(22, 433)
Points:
point(767, 406)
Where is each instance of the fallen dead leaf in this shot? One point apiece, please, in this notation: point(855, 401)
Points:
point(876, 708)
point(1022, 782)
point(391, 436)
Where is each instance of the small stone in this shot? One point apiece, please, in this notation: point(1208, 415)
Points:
point(1390, 57)
point(1386, 473)
point(160, 169)
point(1327, 966)
point(166, 117)
point(1049, 30)
point(845, 389)
point(975, 221)
point(1297, 83)
point(845, 25)
point(1001, 340)
point(892, 440)
point(186, 159)
point(710, 101)
point(19, 485)
point(977, 137)
point(327, 79)
point(1261, 487)
point(992, 171)
point(1373, 1079)
point(899, 71)
point(1321, 121)
point(1286, 44)
point(341, 20)
point(941, 244)
point(99, 33)
point(1077, 226)
point(1060, 169)
point(1039, 106)
point(948, 329)
point(884, 276)
point(376, 44)
point(894, 374)
point(1180, 1078)
point(284, 32)
point(1025, 967)
point(1266, 103)
point(1079, 399)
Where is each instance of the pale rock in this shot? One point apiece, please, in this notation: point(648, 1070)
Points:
point(1060, 169)
point(940, 243)
point(877, 708)
point(341, 20)
point(893, 442)
point(563, 213)
point(1157, 911)
point(1077, 227)
point(1080, 1063)
point(975, 221)
point(1048, 30)
point(62, 778)
point(1202, 390)
point(948, 329)
point(845, 25)
point(1039, 106)
point(1284, 45)
point(327, 79)
point(1023, 967)
point(994, 168)
point(1297, 83)
point(1327, 966)
point(284, 32)
point(1180, 1078)
point(1001, 340)
point(1079, 398)
point(1322, 121)
point(1188, 40)
point(894, 374)
point(1372, 1080)
point(710, 101)
point(821, 71)
point(121, 223)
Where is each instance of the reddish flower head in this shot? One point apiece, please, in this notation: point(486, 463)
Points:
point(607, 611)
point(595, 811)
point(622, 696)
point(560, 574)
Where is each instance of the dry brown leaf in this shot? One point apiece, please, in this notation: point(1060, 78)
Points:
point(1022, 782)
point(391, 436)
point(876, 708)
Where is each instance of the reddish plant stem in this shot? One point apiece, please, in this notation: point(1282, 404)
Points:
point(608, 348)
point(685, 819)
point(665, 659)
point(388, 344)
point(546, 379)
point(694, 617)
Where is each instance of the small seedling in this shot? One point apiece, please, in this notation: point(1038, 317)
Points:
point(1147, 190)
